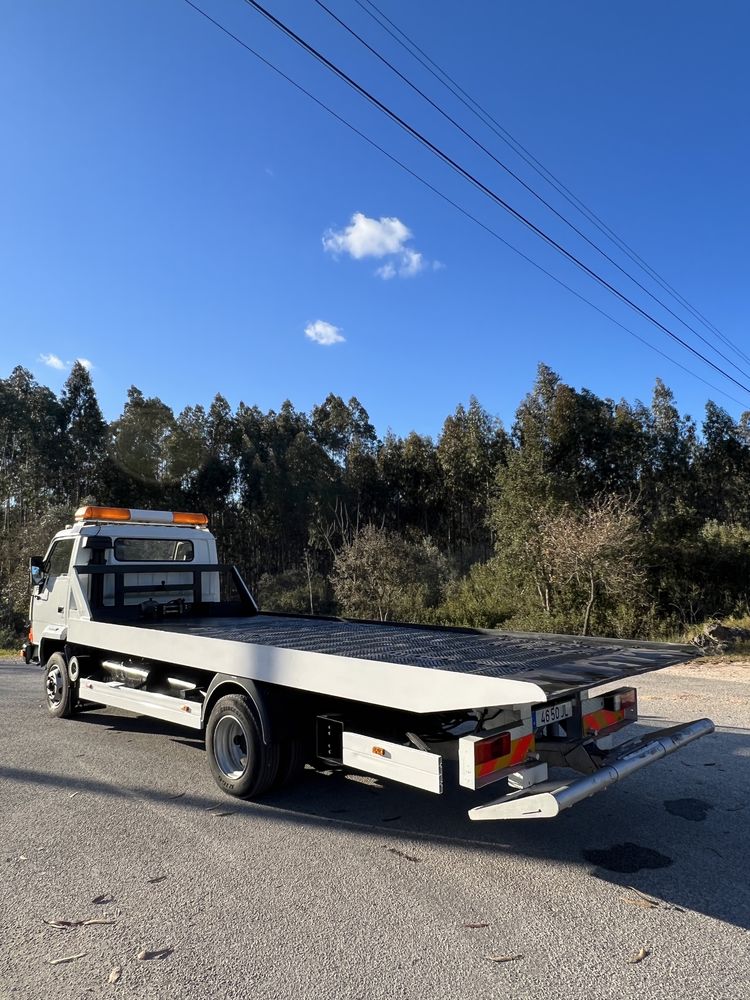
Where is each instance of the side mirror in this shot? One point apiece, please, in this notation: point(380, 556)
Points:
point(36, 570)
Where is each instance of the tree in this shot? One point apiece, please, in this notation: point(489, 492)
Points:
point(723, 469)
point(527, 498)
point(598, 549)
point(471, 446)
point(85, 436)
point(140, 451)
point(667, 485)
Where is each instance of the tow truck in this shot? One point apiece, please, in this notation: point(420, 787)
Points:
point(131, 609)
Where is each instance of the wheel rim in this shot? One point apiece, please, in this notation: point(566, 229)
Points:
point(54, 686)
point(230, 747)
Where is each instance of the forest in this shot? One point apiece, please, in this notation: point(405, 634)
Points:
point(587, 515)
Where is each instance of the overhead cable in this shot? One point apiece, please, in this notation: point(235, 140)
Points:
point(480, 185)
point(453, 203)
point(447, 81)
point(527, 187)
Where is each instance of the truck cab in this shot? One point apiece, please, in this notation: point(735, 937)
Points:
point(107, 537)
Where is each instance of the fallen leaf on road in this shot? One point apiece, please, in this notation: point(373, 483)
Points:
point(73, 794)
point(147, 956)
point(97, 920)
point(643, 896)
point(476, 925)
point(156, 878)
point(646, 904)
point(114, 974)
point(227, 812)
point(643, 953)
point(503, 958)
point(105, 897)
point(401, 854)
point(67, 958)
point(62, 925)
point(177, 796)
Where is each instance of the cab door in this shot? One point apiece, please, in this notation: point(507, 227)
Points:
point(50, 601)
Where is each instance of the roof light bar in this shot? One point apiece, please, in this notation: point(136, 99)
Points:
point(102, 514)
point(197, 520)
point(120, 514)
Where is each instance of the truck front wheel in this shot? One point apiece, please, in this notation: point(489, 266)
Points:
point(57, 687)
point(241, 763)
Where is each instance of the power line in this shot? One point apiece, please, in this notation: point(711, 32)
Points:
point(467, 175)
point(454, 204)
point(447, 81)
point(527, 187)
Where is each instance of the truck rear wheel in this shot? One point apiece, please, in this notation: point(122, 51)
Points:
point(60, 693)
point(292, 760)
point(241, 763)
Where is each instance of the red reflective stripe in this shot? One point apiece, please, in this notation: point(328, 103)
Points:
point(519, 750)
point(602, 719)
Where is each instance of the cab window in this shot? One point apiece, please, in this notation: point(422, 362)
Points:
point(153, 550)
point(58, 560)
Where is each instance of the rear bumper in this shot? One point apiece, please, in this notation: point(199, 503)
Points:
point(546, 800)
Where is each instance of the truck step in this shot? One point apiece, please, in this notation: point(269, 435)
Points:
point(157, 706)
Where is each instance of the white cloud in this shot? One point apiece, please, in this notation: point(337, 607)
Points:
point(383, 237)
point(52, 361)
point(365, 237)
point(412, 262)
point(324, 333)
point(406, 265)
point(386, 271)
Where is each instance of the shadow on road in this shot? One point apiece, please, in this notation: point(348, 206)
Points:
point(686, 817)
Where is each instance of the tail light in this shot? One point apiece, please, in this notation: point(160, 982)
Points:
point(492, 749)
point(609, 712)
point(484, 759)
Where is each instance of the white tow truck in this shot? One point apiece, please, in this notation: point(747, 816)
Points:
point(131, 609)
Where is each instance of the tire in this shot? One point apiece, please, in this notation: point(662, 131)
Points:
point(292, 759)
point(60, 694)
point(241, 763)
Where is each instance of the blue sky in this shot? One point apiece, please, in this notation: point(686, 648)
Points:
point(175, 213)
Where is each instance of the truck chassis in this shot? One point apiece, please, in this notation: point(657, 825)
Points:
point(273, 692)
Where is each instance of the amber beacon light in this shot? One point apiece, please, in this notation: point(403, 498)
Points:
point(121, 514)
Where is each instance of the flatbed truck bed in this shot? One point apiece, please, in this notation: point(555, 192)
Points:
point(407, 667)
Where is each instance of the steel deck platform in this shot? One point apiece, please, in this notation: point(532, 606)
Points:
point(556, 663)
point(413, 668)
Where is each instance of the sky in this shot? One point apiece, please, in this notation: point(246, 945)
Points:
point(183, 219)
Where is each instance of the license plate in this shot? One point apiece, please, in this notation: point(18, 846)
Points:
point(549, 714)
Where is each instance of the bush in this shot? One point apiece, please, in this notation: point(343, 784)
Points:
point(481, 599)
point(290, 593)
point(386, 576)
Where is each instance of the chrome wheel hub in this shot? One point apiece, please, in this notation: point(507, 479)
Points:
point(54, 686)
point(230, 747)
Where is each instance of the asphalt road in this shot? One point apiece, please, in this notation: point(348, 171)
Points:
point(340, 888)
